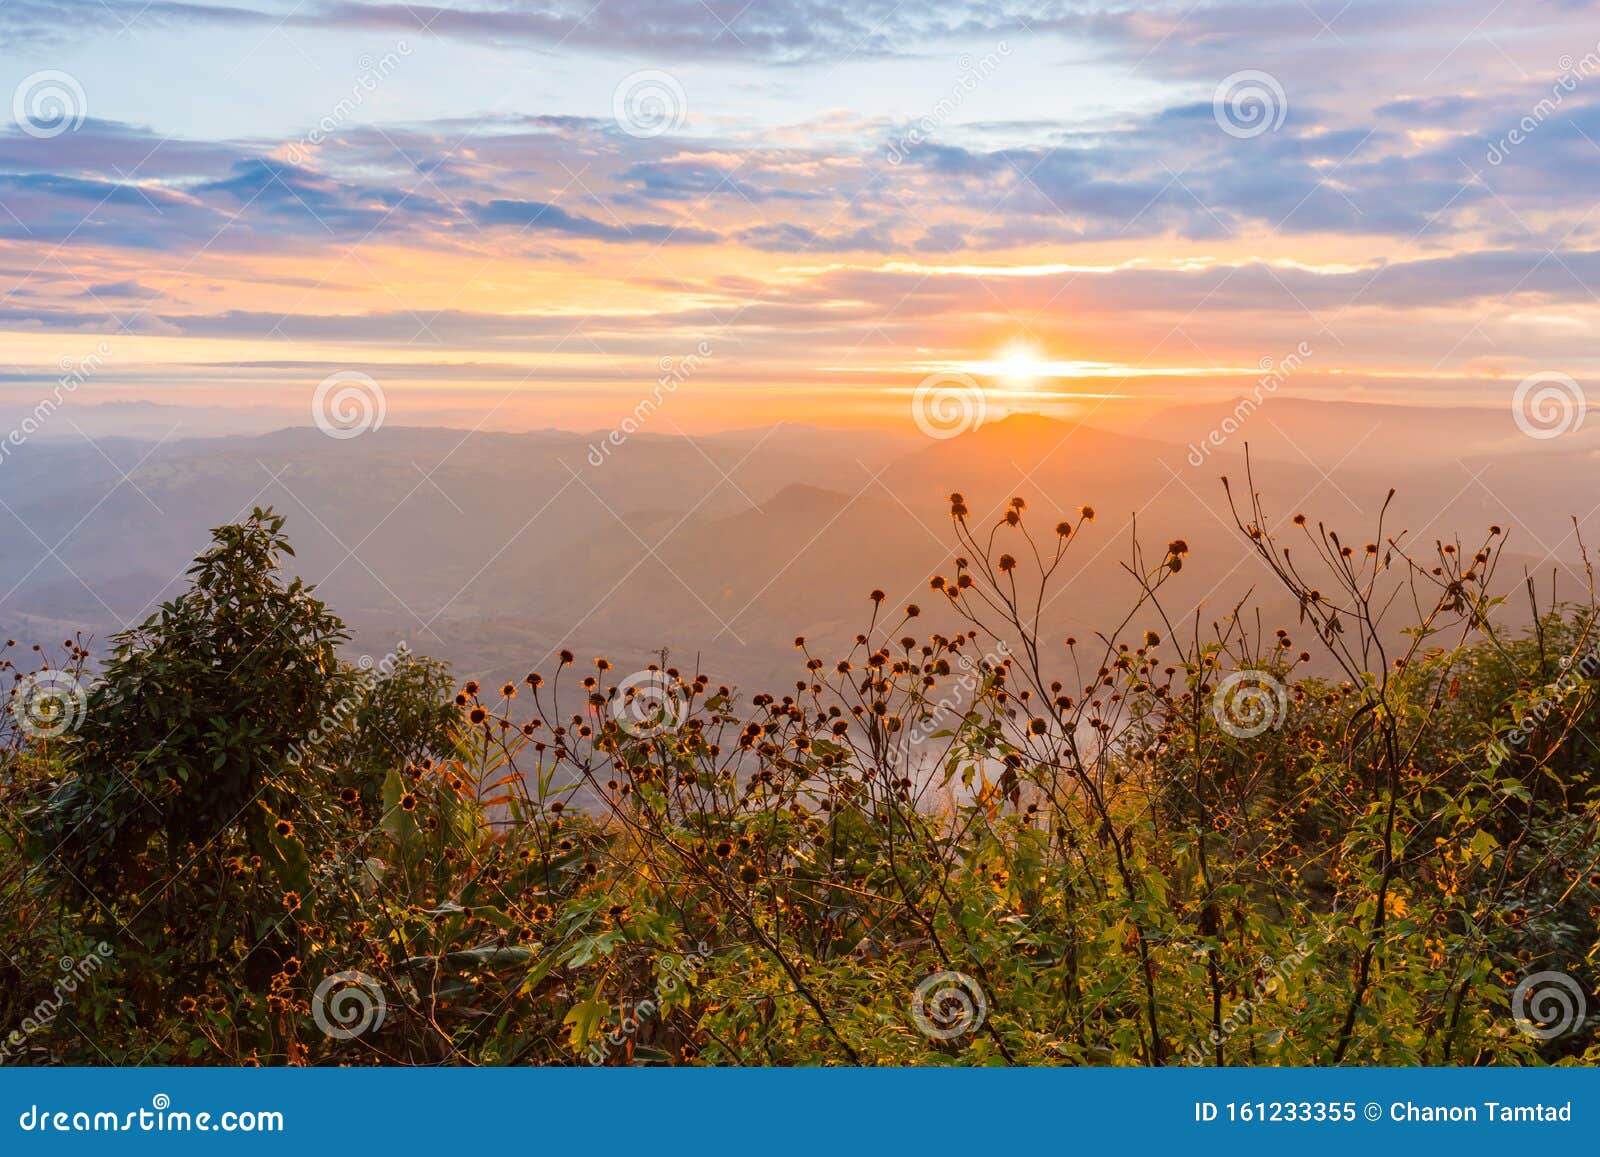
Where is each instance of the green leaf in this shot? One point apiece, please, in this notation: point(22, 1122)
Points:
point(1483, 846)
point(585, 1018)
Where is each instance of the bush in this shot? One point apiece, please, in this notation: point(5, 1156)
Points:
point(977, 847)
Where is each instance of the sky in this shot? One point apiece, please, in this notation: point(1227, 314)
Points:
point(516, 215)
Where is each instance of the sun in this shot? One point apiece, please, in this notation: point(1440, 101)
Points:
point(1020, 365)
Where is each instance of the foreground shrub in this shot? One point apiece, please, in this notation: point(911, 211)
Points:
point(977, 846)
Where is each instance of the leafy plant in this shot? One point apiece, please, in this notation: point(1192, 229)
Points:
point(1163, 846)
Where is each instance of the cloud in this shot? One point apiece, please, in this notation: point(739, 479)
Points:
point(689, 178)
point(339, 207)
point(783, 238)
point(1388, 197)
point(128, 289)
point(785, 31)
point(542, 215)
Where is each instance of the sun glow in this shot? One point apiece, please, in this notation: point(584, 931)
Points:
point(1020, 365)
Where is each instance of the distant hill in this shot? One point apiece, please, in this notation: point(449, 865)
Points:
point(494, 549)
point(1301, 429)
